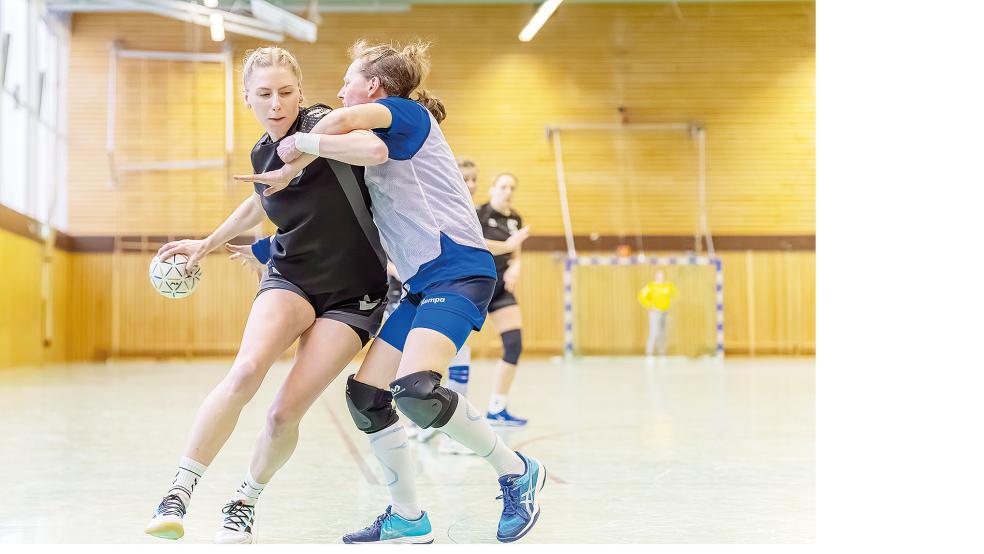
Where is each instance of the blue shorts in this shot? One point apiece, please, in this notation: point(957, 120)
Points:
point(453, 308)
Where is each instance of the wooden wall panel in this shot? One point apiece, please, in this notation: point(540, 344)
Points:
point(20, 296)
point(62, 290)
point(90, 307)
point(770, 307)
point(745, 70)
point(210, 321)
point(30, 332)
point(128, 318)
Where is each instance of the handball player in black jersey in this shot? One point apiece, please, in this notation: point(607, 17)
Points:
point(502, 224)
point(325, 284)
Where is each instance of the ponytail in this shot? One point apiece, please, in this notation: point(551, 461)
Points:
point(433, 105)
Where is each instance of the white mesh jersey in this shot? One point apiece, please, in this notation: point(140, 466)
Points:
point(419, 193)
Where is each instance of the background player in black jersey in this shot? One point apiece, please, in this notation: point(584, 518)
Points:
point(501, 224)
point(460, 367)
point(325, 284)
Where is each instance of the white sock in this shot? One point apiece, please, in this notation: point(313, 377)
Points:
point(189, 472)
point(458, 387)
point(392, 449)
point(458, 371)
point(249, 491)
point(468, 427)
point(497, 403)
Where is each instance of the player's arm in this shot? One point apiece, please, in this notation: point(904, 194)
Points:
point(340, 135)
point(512, 244)
point(510, 277)
point(344, 135)
point(515, 260)
point(246, 216)
point(357, 147)
point(278, 179)
point(363, 116)
point(497, 247)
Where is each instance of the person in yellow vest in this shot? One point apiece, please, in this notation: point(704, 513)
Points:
point(655, 297)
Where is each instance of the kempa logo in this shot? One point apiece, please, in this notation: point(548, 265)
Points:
point(397, 389)
point(437, 300)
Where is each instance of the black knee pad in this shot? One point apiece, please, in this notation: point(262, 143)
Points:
point(371, 408)
point(421, 398)
point(512, 346)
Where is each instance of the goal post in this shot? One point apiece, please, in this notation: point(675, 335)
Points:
point(654, 183)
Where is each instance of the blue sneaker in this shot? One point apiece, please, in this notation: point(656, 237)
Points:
point(504, 418)
point(519, 508)
point(393, 529)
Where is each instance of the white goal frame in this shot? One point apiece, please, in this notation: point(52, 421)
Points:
point(698, 134)
point(570, 263)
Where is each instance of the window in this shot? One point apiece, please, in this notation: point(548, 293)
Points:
point(32, 149)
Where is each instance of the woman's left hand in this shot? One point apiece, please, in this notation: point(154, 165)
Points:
point(287, 150)
point(276, 180)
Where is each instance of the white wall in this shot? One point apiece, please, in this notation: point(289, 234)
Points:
point(32, 120)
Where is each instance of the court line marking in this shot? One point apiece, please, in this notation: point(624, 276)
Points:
point(350, 446)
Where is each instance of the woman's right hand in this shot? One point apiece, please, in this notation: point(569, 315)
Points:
point(276, 180)
point(194, 249)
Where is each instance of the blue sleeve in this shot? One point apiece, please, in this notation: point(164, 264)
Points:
point(409, 129)
point(261, 250)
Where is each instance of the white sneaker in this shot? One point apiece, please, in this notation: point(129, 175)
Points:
point(167, 522)
point(451, 446)
point(424, 435)
point(237, 525)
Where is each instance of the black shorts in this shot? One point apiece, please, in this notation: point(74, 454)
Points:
point(363, 314)
point(501, 298)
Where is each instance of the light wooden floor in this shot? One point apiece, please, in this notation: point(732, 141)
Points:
point(676, 451)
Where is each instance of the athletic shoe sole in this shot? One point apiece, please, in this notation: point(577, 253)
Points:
point(170, 530)
point(501, 423)
point(248, 539)
point(421, 539)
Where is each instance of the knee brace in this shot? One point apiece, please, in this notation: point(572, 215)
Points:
point(512, 346)
point(421, 398)
point(371, 408)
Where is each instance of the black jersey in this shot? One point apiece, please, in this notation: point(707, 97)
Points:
point(320, 244)
point(496, 226)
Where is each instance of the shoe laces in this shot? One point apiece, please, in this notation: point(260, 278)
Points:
point(377, 525)
point(238, 513)
point(510, 498)
point(172, 505)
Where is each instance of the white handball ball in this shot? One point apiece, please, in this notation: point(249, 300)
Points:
point(170, 277)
